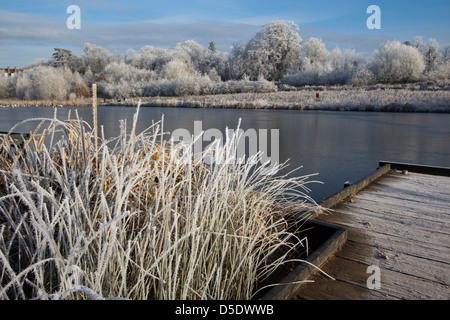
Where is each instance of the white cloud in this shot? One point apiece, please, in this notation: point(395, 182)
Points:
point(23, 32)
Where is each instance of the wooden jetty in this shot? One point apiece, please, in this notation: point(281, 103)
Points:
point(398, 220)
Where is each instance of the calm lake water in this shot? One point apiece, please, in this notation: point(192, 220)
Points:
point(339, 146)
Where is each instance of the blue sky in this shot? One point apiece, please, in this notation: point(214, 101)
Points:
point(30, 29)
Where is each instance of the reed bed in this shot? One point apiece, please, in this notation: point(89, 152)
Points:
point(43, 103)
point(413, 97)
point(139, 217)
point(389, 98)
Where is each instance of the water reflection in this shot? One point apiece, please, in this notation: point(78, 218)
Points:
point(340, 146)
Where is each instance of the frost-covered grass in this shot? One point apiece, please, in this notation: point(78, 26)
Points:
point(130, 218)
point(419, 97)
point(398, 98)
point(40, 103)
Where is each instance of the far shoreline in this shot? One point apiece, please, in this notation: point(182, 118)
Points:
point(419, 98)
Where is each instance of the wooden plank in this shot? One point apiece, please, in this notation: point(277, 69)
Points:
point(350, 283)
point(431, 170)
point(397, 244)
point(399, 223)
point(291, 283)
point(433, 197)
point(370, 202)
point(394, 285)
point(410, 234)
point(386, 258)
point(402, 228)
point(413, 188)
point(353, 189)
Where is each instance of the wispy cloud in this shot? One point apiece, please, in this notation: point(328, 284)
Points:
point(26, 29)
point(19, 27)
point(26, 36)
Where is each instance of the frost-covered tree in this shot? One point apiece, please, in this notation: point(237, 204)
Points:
point(275, 53)
point(7, 87)
point(121, 80)
point(130, 56)
point(351, 59)
point(441, 73)
point(217, 64)
point(48, 83)
point(438, 62)
point(96, 58)
point(76, 84)
point(212, 47)
point(63, 58)
point(89, 78)
point(446, 53)
point(343, 66)
point(436, 59)
point(395, 62)
point(320, 67)
point(420, 45)
point(362, 76)
point(238, 61)
point(149, 58)
point(270, 53)
point(204, 61)
point(431, 53)
point(315, 55)
point(336, 58)
point(177, 69)
point(315, 66)
point(433, 56)
point(191, 52)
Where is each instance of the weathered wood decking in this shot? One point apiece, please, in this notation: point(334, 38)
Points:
point(400, 223)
